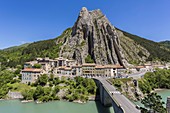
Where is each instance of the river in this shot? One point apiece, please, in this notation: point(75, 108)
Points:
point(164, 93)
point(15, 106)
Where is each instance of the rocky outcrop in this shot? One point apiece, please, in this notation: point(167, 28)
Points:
point(133, 52)
point(94, 35)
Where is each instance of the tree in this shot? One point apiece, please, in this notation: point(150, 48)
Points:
point(56, 81)
point(51, 77)
point(153, 103)
point(43, 80)
point(56, 89)
point(28, 94)
point(38, 92)
point(38, 66)
point(88, 59)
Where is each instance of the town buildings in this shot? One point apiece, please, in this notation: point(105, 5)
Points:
point(65, 67)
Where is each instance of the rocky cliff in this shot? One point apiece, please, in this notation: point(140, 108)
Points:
point(93, 35)
point(91, 39)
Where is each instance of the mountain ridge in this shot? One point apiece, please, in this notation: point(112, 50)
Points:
point(92, 39)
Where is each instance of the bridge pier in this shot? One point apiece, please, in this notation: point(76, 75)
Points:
point(109, 96)
point(105, 98)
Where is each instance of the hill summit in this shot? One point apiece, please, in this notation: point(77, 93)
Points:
point(92, 39)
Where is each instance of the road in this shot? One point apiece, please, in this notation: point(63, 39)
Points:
point(124, 102)
point(136, 75)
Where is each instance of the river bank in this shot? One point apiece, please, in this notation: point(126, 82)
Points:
point(53, 107)
point(91, 98)
point(164, 93)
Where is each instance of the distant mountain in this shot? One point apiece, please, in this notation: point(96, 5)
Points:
point(16, 47)
point(94, 36)
point(20, 54)
point(166, 43)
point(92, 39)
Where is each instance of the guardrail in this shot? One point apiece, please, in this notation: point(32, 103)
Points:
point(114, 99)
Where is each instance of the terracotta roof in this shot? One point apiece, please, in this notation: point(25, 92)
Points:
point(77, 66)
point(89, 64)
point(67, 68)
point(140, 67)
point(113, 66)
point(99, 66)
point(148, 64)
point(31, 70)
point(62, 67)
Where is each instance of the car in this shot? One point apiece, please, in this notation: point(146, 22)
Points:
point(137, 106)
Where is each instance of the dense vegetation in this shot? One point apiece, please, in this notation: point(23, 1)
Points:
point(47, 89)
point(166, 43)
point(88, 59)
point(11, 57)
point(157, 79)
point(157, 51)
point(6, 79)
point(119, 82)
point(153, 104)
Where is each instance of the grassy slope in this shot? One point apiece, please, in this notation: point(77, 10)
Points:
point(20, 54)
point(16, 47)
point(165, 43)
point(50, 48)
point(157, 50)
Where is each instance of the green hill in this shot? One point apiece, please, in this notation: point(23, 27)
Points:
point(158, 51)
point(165, 43)
point(99, 41)
point(50, 48)
point(16, 47)
point(18, 55)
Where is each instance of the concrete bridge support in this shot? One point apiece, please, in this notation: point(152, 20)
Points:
point(107, 99)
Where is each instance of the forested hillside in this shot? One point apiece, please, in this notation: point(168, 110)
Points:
point(166, 43)
point(157, 51)
point(18, 55)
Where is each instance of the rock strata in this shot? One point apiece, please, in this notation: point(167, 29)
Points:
point(92, 34)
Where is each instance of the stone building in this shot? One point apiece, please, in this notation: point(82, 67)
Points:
point(30, 75)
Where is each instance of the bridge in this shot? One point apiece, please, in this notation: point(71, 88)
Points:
point(109, 96)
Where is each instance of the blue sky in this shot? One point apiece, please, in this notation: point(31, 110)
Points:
point(23, 21)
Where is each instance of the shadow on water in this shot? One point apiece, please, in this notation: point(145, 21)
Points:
point(99, 106)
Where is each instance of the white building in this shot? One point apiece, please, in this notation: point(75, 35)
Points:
point(30, 75)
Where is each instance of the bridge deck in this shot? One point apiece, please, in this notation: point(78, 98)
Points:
point(124, 102)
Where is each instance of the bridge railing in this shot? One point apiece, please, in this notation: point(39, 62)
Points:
point(114, 99)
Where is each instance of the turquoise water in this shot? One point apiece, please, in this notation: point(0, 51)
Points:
point(163, 93)
point(15, 106)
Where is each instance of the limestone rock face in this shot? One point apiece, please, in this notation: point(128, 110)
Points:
point(93, 35)
point(132, 51)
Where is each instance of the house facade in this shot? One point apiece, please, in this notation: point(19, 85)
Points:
point(65, 67)
point(30, 75)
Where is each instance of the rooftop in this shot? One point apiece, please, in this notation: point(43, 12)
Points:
point(89, 64)
point(31, 70)
point(113, 66)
